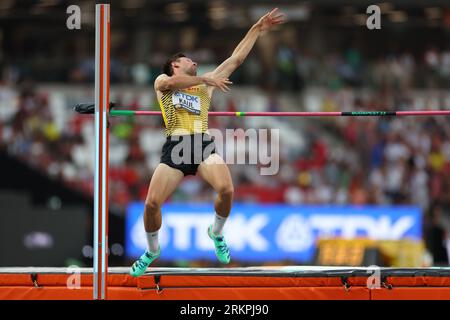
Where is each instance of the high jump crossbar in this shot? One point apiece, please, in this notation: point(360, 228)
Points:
point(295, 113)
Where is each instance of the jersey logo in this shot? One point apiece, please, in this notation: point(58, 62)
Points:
point(193, 89)
point(186, 101)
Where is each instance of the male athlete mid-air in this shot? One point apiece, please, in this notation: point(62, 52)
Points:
point(184, 99)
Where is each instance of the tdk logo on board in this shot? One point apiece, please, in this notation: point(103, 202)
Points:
point(269, 233)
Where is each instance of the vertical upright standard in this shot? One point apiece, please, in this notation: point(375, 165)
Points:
point(100, 247)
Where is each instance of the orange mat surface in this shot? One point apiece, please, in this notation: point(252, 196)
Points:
point(253, 283)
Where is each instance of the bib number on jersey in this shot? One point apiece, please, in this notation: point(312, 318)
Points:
point(186, 101)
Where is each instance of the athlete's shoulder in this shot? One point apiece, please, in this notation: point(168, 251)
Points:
point(159, 81)
point(161, 76)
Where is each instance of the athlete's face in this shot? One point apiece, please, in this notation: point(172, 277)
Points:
point(186, 66)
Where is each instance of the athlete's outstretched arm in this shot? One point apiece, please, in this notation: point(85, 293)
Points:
point(164, 83)
point(242, 50)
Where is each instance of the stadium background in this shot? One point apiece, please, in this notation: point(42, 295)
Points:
point(323, 59)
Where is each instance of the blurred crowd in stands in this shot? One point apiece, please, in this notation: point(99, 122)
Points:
point(335, 160)
point(288, 68)
point(286, 60)
point(338, 160)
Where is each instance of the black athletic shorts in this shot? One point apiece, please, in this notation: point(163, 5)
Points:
point(186, 152)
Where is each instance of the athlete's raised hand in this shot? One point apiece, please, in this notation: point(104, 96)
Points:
point(218, 82)
point(270, 19)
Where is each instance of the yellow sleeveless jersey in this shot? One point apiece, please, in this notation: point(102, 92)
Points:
point(185, 111)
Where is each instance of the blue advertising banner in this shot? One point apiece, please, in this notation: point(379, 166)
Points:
point(257, 233)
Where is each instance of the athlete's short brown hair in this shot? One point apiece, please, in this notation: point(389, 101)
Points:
point(167, 68)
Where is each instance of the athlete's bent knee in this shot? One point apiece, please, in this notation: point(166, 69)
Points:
point(226, 191)
point(151, 206)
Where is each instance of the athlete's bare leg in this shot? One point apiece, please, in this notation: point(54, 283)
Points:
point(164, 181)
point(214, 171)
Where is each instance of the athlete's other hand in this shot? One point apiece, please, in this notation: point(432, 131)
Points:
point(270, 19)
point(218, 82)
